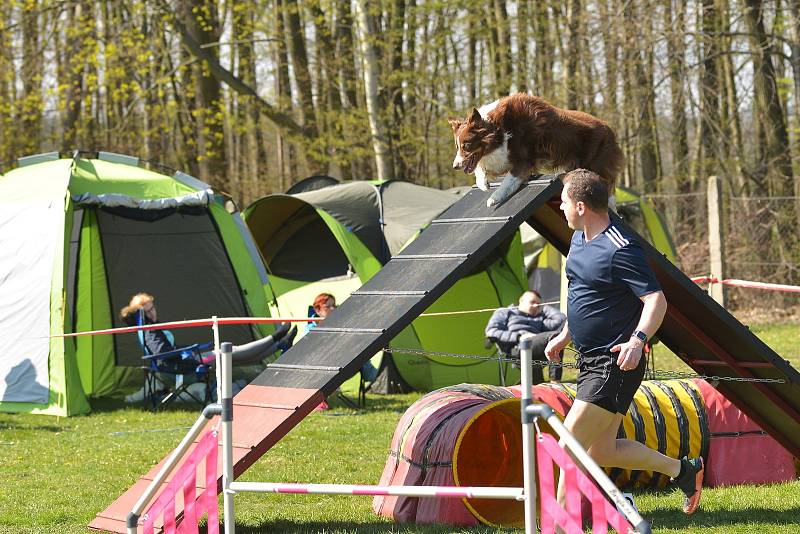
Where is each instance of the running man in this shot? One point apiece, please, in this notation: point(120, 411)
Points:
point(614, 305)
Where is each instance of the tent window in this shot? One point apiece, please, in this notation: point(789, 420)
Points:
point(304, 249)
point(178, 257)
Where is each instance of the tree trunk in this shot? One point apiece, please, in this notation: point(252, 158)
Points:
point(647, 130)
point(629, 102)
point(248, 115)
point(732, 127)
point(73, 65)
point(329, 101)
point(394, 88)
point(794, 7)
point(523, 23)
point(777, 161)
point(571, 74)
point(347, 80)
point(543, 61)
point(675, 23)
point(286, 160)
point(31, 103)
point(472, 61)
point(345, 52)
point(202, 22)
point(295, 37)
point(501, 42)
point(377, 126)
point(7, 93)
point(610, 52)
point(709, 91)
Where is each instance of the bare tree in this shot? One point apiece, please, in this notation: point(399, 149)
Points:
point(571, 74)
point(30, 107)
point(295, 38)
point(370, 67)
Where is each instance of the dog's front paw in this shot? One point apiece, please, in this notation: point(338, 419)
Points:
point(480, 179)
point(511, 184)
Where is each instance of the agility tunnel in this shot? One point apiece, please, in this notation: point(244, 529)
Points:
point(470, 435)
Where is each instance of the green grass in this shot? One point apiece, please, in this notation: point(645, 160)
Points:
point(56, 473)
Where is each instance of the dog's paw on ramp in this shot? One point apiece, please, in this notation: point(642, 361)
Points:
point(508, 188)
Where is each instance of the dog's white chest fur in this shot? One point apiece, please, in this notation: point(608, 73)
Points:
point(496, 163)
point(493, 164)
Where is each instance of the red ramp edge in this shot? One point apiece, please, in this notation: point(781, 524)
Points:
point(262, 416)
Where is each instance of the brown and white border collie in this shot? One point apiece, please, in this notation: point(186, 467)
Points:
point(522, 134)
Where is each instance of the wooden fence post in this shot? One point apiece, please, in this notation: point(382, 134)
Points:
point(716, 244)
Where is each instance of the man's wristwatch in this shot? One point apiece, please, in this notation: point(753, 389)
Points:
point(640, 335)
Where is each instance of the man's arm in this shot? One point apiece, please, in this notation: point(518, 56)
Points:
point(497, 328)
point(552, 319)
point(557, 344)
point(630, 352)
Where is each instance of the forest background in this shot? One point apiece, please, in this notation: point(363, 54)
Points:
point(252, 96)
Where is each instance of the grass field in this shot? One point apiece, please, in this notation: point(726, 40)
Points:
point(56, 473)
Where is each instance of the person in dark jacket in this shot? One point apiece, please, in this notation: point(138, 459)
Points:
point(508, 324)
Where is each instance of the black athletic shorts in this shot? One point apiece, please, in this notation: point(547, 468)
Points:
point(602, 383)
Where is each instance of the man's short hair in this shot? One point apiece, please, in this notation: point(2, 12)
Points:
point(587, 187)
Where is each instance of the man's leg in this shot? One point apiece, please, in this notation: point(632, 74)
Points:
point(596, 430)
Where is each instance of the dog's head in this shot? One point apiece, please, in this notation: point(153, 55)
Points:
point(474, 138)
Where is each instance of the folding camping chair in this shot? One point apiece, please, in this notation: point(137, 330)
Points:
point(511, 351)
point(181, 364)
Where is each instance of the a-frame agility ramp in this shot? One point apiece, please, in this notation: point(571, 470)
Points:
point(696, 328)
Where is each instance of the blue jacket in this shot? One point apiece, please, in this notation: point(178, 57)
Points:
point(507, 324)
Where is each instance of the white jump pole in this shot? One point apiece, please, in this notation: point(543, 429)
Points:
point(528, 451)
point(405, 491)
point(225, 366)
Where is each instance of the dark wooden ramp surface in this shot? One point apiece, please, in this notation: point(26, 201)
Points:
point(288, 390)
point(696, 328)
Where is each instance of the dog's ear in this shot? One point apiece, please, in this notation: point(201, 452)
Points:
point(476, 116)
point(455, 124)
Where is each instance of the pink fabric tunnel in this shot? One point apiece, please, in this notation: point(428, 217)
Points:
point(185, 479)
point(576, 484)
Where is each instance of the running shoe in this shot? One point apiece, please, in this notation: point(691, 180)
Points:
point(690, 481)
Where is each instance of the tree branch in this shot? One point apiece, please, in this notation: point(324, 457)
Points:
point(280, 118)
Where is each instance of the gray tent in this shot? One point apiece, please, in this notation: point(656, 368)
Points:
point(333, 238)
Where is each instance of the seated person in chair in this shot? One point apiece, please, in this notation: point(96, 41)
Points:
point(508, 324)
point(158, 341)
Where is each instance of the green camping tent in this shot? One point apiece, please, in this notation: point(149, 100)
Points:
point(80, 236)
point(330, 237)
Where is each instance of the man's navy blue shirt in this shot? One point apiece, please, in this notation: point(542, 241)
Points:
point(606, 277)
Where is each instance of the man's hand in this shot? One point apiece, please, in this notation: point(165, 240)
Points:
point(555, 348)
point(630, 353)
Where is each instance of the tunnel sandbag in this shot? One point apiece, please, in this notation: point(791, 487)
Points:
point(740, 451)
point(423, 446)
